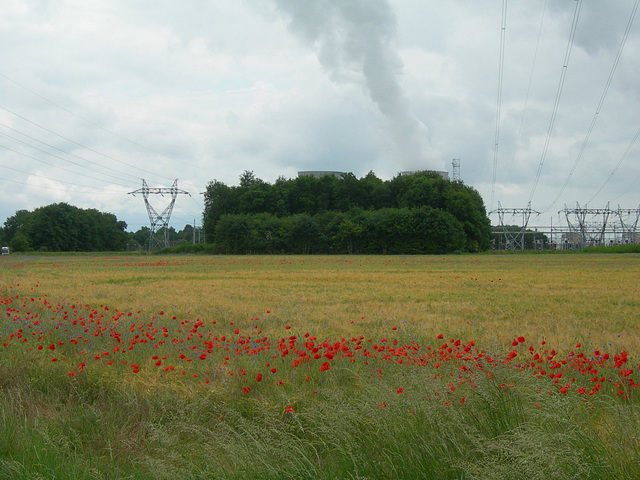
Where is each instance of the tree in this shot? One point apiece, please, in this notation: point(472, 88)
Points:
point(466, 204)
point(349, 236)
point(232, 234)
point(61, 227)
point(304, 235)
point(219, 200)
point(254, 198)
point(14, 224)
point(19, 243)
point(408, 214)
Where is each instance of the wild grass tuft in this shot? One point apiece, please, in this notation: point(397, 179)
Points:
point(393, 414)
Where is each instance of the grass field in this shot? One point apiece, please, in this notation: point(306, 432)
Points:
point(489, 366)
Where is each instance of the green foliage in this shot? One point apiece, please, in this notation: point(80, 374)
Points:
point(420, 213)
point(62, 227)
point(386, 231)
point(355, 426)
point(19, 243)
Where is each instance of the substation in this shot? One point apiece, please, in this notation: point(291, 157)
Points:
point(578, 227)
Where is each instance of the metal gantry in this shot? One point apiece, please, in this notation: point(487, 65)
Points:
point(592, 227)
point(159, 221)
point(590, 224)
point(514, 239)
point(585, 227)
point(629, 223)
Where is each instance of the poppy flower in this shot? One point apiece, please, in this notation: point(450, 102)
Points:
point(325, 366)
point(289, 409)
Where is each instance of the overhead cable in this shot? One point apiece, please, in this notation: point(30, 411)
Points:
point(526, 100)
point(503, 28)
point(556, 103)
point(79, 144)
point(598, 108)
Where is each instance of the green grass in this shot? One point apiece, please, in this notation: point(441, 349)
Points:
point(438, 414)
point(84, 428)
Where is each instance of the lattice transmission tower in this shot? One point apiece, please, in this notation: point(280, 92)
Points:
point(159, 221)
point(629, 222)
point(513, 239)
point(456, 169)
point(590, 224)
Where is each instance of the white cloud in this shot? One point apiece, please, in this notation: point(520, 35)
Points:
point(201, 90)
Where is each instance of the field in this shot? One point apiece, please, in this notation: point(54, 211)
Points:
point(194, 367)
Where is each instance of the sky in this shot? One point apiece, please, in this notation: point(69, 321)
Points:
point(539, 100)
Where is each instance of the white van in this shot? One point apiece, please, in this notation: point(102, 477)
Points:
point(5, 250)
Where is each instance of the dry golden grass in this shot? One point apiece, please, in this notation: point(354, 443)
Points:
point(489, 298)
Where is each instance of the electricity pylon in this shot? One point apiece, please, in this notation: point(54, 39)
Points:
point(161, 221)
point(514, 240)
point(591, 224)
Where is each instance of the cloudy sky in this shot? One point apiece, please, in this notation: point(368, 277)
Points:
point(96, 96)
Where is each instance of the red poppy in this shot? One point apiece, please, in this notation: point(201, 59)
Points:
point(289, 409)
point(259, 377)
point(325, 366)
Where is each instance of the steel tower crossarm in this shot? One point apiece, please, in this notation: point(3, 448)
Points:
point(156, 219)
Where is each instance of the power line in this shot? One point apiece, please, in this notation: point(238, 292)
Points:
point(56, 156)
point(598, 108)
point(556, 103)
point(84, 119)
point(47, 163)
point(77, 143)
point(526, 101)
point(503, 29)
point(101, 191)
point(622, 158)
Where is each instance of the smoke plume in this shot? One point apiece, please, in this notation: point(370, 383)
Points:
point(354, 41)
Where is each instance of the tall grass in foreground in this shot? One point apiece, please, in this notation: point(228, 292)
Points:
point(92, 395)
point(87, 427)
point(104, 377)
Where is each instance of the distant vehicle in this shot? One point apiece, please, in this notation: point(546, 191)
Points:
point(5, 250)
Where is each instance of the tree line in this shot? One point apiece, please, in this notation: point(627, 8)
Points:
point(417, 213)
point(61, 227)
point(409, 214)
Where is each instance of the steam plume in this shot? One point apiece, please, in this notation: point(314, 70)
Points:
point(355, 39)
